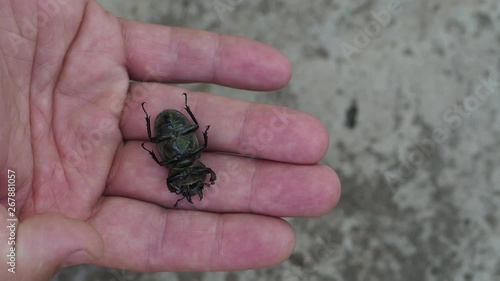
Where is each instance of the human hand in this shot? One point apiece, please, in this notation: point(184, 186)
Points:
point(72, 128)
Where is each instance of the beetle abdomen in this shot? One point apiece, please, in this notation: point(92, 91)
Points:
point(171, 123)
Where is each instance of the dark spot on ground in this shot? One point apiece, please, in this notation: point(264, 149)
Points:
point(453, 26)
point(483, 20)
point(297, 259)
point(408, 52)
point(190, 276)
point(231, 276)
point(316, 52)
point(351, 115)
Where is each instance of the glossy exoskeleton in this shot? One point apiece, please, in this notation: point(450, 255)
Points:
point(180, 152)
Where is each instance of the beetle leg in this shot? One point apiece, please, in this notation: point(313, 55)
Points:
point(188, 198)
point(194, 152)
point(179, 176)
point(189, 130)
point(172, 161)
point(199, 171)
point(158, 139)
point(180, 157)
point(151, 152)
point(188, 109)
point(177, 202)
point(205, 136)
point(213, 176)
point(155, 139)
point(200, 194)
point(172, 179)
point(148, 121)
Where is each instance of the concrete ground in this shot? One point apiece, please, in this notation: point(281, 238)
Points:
point(410, 96)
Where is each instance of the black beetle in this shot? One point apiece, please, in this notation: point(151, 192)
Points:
point(180, 152)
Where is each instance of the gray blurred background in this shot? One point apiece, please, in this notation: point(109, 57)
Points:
point(410, 96)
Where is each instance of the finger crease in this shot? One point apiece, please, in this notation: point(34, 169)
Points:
point(217, 252)
point(241, 137)
point(216, 59)
point(253, 187)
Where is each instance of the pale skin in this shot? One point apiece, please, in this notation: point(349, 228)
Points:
point(86, 192)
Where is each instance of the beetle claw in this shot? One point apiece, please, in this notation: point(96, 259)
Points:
point(177, 202)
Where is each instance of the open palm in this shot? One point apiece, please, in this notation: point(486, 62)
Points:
point(72, 128)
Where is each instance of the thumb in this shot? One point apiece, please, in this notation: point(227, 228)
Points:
point(43, 244)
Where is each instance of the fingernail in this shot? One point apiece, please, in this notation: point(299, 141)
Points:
point(78, 257)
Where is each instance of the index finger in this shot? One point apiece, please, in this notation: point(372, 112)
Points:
point(158, 53)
